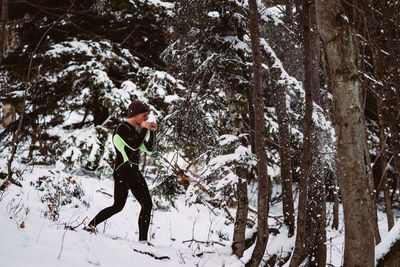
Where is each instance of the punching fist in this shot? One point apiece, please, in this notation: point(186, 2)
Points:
point(149, 125)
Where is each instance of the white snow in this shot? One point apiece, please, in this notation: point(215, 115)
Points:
point(387, 241)
point(213, 14)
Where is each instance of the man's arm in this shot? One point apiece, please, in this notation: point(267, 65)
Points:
point(152, 126)
point(151, 143)
point(132, 139)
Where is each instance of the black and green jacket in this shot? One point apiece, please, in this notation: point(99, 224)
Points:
point(127, 142)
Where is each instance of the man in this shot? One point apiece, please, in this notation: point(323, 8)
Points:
point(128, 138)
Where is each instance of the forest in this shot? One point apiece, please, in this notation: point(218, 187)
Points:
point(278, 140)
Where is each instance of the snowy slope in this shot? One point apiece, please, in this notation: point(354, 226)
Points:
point(42, 242)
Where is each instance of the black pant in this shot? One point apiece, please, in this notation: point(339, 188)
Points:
point(129, 177)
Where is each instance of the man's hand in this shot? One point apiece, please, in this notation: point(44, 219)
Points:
point(149, 125)
point(153, 126)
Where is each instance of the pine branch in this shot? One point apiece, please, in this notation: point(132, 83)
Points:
point(16, 140)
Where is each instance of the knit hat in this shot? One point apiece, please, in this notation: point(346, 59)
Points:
point(137, 107)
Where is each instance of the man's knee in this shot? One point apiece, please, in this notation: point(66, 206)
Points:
point(118, 206)
point(147, 205)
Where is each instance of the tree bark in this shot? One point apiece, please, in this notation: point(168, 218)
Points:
point(316, 206)
point(316, 201)
point(285, 159)
point(3, 24)
point(239, 238)
point(335, 223)
point(395, 143)
point(289, 11)
point(342, 59)
point(259, 133)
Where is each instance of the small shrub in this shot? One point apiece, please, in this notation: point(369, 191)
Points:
point(58, 193)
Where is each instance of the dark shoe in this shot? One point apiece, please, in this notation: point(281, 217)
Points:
point(90, 228)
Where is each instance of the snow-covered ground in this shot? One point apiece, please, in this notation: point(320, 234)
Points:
point(28, 238)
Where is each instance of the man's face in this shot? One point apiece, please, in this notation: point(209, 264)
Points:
point(141, 117)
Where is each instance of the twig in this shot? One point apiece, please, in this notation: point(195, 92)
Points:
point(40, 231)
point(229, 214)
point(180, 255)
point(383, 174)
point(62, 244)
point(69, 227)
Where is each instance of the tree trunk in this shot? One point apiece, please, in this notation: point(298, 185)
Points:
point(371, 185)
point(289, 11)
point(395, 143)
point(342, 59)
point(316, 200)
point(259, 133)
point(286, 159)
point(239, 230)
point(3, 30)
point(9, 114)
point(239, 238)
point(301, 249)
point(316, 206)
point(335, 223)
point(370, 176)
point(383, 184)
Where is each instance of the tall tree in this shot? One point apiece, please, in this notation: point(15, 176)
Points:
point(259, 133)
point(285, 158)
point(301, 246)
point(378, 68)
point(316, 197)
point(342, 59)
point(234, 110)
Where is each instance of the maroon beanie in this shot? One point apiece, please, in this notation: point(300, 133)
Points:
point(137, 107)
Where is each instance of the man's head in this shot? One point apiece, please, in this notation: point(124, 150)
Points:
point(138, 112)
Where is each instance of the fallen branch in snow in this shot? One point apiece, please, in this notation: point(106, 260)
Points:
point(101, 190)
point(204, 242)
point(152, 255)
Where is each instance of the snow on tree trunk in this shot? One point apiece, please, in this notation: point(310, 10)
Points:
point(342, 58)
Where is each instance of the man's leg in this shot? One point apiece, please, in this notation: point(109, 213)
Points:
point(120, 195)
point(140, 191)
